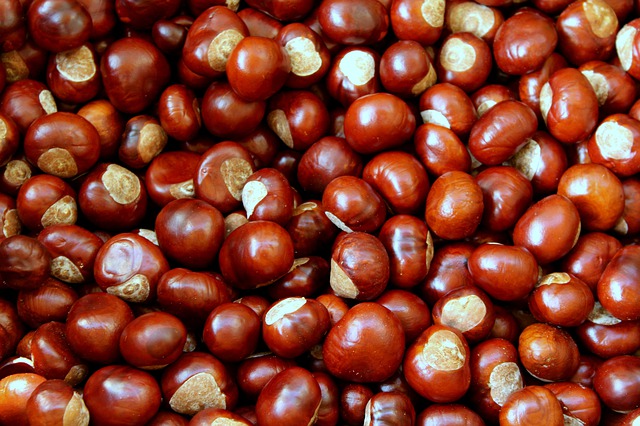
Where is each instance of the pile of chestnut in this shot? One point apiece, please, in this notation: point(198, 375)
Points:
point(319, 212)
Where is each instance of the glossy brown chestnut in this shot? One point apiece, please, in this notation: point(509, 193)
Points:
point(467, 309)
point(616, 383)
point(142, 140)
point(450, 414)
point(454, 206)
point(614, 88)
point(418, 20)
point(385, 406)
point(58, 25)
point(54, 402)
point(259, 23)
point(72, 75)
point(109, 124)
point(548, 353)
point(353, 401)
point(231, 332)
point(53, 357)
point(359, 266)
point(464, 60)
point(309, 56)
point(448, 271)
point(532, 405)
point(440, 150)
point(267, 195)
point(25, 263)
point(630, 221)
point(46, 200)
point(561, 299)
point(619, 288)
point(623, 156)
point(449, 106)
point(307, 277)
point(529, 85)
point(406, 69)
point(94, 324)
point(358, 22)
point(548, 229)
point(11, 329)
point(121, 394)
point(579, 402)
point(590, 256)
point(15, 391)
point(9, 138)
point(26, 100)
point(437, 366)
point(481, 19)
point(257, 370)
point(353, 73)
point(413, 312)
point(170, 176)
point(489, 95)
point(50, 302)
point(311, 230)
point(134, 73)
point(366, 355)
point(353, 205)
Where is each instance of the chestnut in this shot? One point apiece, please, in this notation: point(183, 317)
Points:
point(311, 230)
point(142, 140)
point(15, 391)
point(529, 85)
point(46, 200)
point(55, 401)
point(267, 195)
point(561, 299)
point(366, 355)
point(548, 353)
point(255, 371)
point(25, 263)
point(481, 19)
point(53, 356)
point(420, 21)
point(9, 138)
point(406, 68)
point(58, 25)
point(109, 124)
point(616, 383)
point(72, 75)
point(413, 312)
point(358, 22)
point(389, 406)
point(353, 74)
point(448, 271)
point(532, 405)
point(11, 329)
point(439, 149)
point(450, 414)
point(464, 60)
point(590, 256)
point(618, 287)
point(227, 115)
point(449, 106)
point(170, 176)
point(353, 205)
point(51, 302)
point(231, 331)
point(621, 157)
point(581, 402)
point(353, 401)
point(26, 100)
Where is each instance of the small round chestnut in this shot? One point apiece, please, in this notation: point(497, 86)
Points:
point(532, 405)
point(548, 353)
point(617, 383)
point(232, 332)
point(56, 402)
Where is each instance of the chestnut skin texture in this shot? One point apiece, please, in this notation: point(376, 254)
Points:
point(619, 286)
point(617, 383)
point(355, 350)
point(548, 353)
point(532, 405)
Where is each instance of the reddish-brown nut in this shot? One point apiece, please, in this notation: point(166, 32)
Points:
point(590, 256)
point(11, 329)
point(616, 144)
point(109, 124)
point(255, 372)
point(400, 179)
point(467, 309)
point(353, 401)
point(325, 160)
point(359, 266)
point(25, 263)
point(256, 254)
point(353, 73)
point(548, 229)
point(378, 122)
point(170, 34)
point(358, 22)
point(501, 132)
point(9, 220)
point(626, 42)
point(437, 366)
point(179, 112)
point(548, 353)
point(153, 340)
point(292, 397)
point(311, 230)
point(94, 325)
point(143, 14)
point(440, 150)
point(129, 266)
point(366, 355)
point(617, 383)
point(54, 402)
point(231, 332)
point(143, 139)
point(170, 176)
point(614, 88)
point(454, 206)
point(495, 375)
point(410, 247)
point(413, 312)
point(448, 271)
point(384, 407)
point(607, 336)
point(211, 39)
point(227, 115)
point(58, 25)
point(292, 326)
point(13, 28)
point(283, 10)
point(449, 106)
point(110, 191)
point(587, 31)
point(561, 299)
point(267, 195)
point(542, 160)
point(122, 394)
point(532, 405)
point(221, 174)
point(262, 144)
point(353, 205)
point(15, 391)
point(479, 18)
point(529, 85)
point(50, 302)
point(406, 68)
point(569, 106)
point(597, 194)
point(72, 75)
point(629, 223)
point(328, 413)
point(190, 232)
point(310, 59)
point(524, 41)
point(307, 277)
point(505, 272)
point(336, 306)
point(464, 60)
point(198, 380)
point(619, 286)
point(489, 95)
point(259, 23)
point(26, 100)
point(53, 356)
point(449, 414)
point(134, 73)
point(257, 68)
point(46, 200)
point(580, 403)
point(418, 20)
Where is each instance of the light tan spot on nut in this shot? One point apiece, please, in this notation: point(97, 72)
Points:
point(17, 172)
point(47, 102)
point(58, 162)
point(77, 65)
point(430, 250)
point(3, 130)
point(614, 141)
point(11, 223)
point(444, 351)
point(599, 315)
point(234, 221)
point(484, 107)
point(152, 141)
point(426, 82)
point(338, 222)
point(463, 313)
point(546, 99)
point(359, 67)
point(527, 160)
point(123, 186)
point(305, 59)
point(197, 393)
point(277, 121)
point(16, 68)
point(283, 308)
point(599, 84)
point(505, 379)
point(233, 4)
point(220, 421)
point(572, 421)
point(435, 117)
point(184, 189)
point(554, 278)
point(340, 282)
point(65, 270)
point(235, 172)
point(76, 413)
point(62, 212)
point(433, 12)
point(456, 55)
point(621, 226)
point(601, 18)
point(136, 289)
point(304, 207)
point(252, 194)
point(472, 18)
point(148, 235)
point(221, 47)
point(624, 46)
